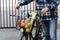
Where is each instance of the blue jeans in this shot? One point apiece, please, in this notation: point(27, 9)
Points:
point(49, 27)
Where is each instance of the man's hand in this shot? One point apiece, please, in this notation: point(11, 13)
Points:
point(57, 8)
point(17, 6)
point(44, 10)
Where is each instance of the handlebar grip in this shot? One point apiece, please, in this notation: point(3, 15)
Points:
point(12, 15)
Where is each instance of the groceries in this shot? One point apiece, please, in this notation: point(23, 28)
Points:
point(27, 23)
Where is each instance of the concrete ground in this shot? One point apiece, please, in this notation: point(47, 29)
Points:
point(13, 34)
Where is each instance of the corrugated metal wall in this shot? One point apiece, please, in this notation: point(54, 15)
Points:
point(7, 9)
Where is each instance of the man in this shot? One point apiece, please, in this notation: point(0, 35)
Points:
point(48, 16)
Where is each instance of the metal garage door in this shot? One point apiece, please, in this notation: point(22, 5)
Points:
point(7, 9)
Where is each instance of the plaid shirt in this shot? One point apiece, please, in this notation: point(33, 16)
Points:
point(51, 4)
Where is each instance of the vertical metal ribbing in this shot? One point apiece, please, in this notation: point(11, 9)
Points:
point(6, 15)
point(18, 10)
point(9, 14)
point(27, 10)
point(33, 6)
point(5, 12)
point(30, 7)
point(21, 12)
point(18, 13)
point(0, 15)
point(12, 14)
point(15, 14)
point(3, 15)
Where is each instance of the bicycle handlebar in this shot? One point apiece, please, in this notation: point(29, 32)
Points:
point(15, 15)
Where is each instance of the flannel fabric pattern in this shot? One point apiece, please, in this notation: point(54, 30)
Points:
point(48, 15)
point(51, 4)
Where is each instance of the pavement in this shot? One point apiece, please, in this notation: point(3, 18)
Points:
point(13, 34)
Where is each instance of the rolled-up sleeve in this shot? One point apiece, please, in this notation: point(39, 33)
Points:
point(53, 4)
point(25, 2)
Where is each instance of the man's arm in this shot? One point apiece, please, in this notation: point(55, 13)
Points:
point(25, 2)
point(53, 4)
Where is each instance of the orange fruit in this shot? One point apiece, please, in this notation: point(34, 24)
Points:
point(18, 22)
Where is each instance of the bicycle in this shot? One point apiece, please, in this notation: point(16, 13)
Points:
point(39, 29)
